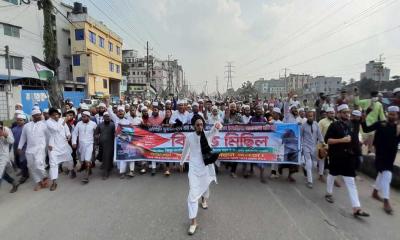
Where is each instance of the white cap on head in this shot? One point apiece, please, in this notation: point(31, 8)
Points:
point(121, 108)
point(343, 107)
point(393, 109)
point(19, 104)
point(201, 100)
point(144, 108)
point(246, 107)
point(19, 112)
point(36, 111)
point(277, 110)
point(168, 102)
point(181, 101)
point(102, 105)
point(135, 102)
point(271, 105)
point(301, 109)
point(155, 104)
point(141, 105)
point(127, 105)
point(295, 95)
point(36, 107)
point(330, 109)
point(214, 108)
point(106, 114)
point(147, 102)
point(195, 104)
point(396, 90)
point(292, 106)
point(87, 113)
point(265, 104)
point(356, 113)
point(21, 116)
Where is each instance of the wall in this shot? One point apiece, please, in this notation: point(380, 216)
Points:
point(30, 19)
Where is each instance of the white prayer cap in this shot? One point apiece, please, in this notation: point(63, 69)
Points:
point(19, 112)
point(312, 110)
point(295, 95)
point(292, 106)
point(168, 102)
point(36, 111)
point(356, 113)
point(271, 105)
point(265, 104)
point(147, 102)
point(127, 105)
point(21, 116)
point(36, 107)
point(277, 110)
point(155, 104)
point(141, 105)
point(181, 102)
point(144, 109)
point(102, 105)
point(19, 104)
point(246, 107)
point(135, 103)
point(121, 108)
point(200, 100)
point(393, 109)
point(330, 109)
point(343, 107)
point(87, 113)
point(214, 108)
point(195, 104)
point(106, 114)
point(396, 90)
point(301, 109)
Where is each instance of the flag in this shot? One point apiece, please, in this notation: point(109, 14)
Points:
point(43, 69)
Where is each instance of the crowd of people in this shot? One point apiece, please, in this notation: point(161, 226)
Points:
point(50, 141)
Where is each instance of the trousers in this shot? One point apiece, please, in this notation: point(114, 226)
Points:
point(382, 183)
point(310, 158)
point(193, 206)
point(351, 189)
point(36, 165)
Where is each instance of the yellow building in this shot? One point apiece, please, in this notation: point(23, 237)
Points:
point(96, 55)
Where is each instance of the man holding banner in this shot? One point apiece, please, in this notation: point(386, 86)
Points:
point(200, 175)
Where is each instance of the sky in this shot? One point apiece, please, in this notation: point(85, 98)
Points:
point(260, 37)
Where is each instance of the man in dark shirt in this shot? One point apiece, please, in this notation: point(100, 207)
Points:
point(386, 141)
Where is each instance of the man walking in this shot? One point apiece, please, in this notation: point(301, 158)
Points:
point(105, 133)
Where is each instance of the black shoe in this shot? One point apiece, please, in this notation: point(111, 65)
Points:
point(85, 180)
point(53, 186)
point(14, 188)
point(72, 174)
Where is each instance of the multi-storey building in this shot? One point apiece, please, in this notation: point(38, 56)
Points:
point(375, 71)
point(96, 54)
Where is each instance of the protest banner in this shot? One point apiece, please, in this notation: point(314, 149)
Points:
point(278, 143)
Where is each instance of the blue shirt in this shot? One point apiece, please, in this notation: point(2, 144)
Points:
point(17, 131)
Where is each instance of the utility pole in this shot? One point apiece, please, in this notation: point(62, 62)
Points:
point(170, 87)
point(286, 84)
point(216, 81)
point(8, 92)
point(228, 76)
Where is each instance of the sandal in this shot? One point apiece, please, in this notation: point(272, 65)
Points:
point(360, 213)
point(329, 198)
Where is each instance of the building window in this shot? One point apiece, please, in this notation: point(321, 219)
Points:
point(69, 41)
point(79, 34)
point(110, 46)
point(92, 37)
point(11, 31)
point(70, 68)
point(133, 73)
point(111, 67)
point(15, 63)
point(101, 42)
point(80, 79)
point(117, 68)
point(105, 83)
point(118, 50)
point(76, 60)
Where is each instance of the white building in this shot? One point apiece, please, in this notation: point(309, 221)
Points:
point(297, 81)
point(375, 71)
point(271, 88)
point(327, 85)
point(21, 28)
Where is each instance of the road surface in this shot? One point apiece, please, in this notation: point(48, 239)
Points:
point(148, 207)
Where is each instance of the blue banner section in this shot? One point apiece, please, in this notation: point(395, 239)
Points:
point(40, 97)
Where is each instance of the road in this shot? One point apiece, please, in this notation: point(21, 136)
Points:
point(148, 207)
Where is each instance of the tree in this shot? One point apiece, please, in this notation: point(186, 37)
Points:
point(50, 54)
